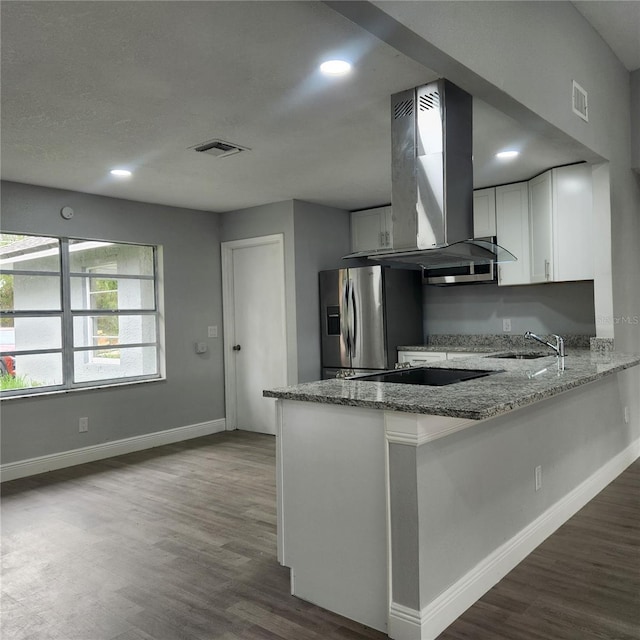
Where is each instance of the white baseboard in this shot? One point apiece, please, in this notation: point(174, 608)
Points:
point(42, 464)
point(427, 624)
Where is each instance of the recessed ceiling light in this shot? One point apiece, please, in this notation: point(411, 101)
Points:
point(335, 67)
point(121, 173)
point(507, 155)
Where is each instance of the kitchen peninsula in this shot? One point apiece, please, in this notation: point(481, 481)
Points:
point(400, 505)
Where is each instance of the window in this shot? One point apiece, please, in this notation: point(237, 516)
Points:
point(76, 313)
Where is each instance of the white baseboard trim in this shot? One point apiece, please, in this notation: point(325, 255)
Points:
point(42, 464)
point(427, 624)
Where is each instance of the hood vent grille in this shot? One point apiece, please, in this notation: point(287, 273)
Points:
point(403, 109)
point(219, 148)
point(430, 101)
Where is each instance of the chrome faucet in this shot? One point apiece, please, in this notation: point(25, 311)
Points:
point(558, 347)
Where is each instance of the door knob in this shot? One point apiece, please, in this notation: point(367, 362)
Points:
point(236, 347)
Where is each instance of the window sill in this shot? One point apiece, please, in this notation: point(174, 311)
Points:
point(96, 387)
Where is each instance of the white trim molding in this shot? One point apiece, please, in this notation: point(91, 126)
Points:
point(433, 619)
point(51, 462)
point(418, 429)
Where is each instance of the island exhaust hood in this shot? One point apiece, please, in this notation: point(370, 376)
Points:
point(432, 181)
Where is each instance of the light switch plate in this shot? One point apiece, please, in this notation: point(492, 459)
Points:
point(212, 331)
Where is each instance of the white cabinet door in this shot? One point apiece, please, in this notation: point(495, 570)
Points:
point(541, 228)
point(572, 223)
point(421, 357)
point(371, 229)
point(484, 213)
point(561, 224)
point(512, 230)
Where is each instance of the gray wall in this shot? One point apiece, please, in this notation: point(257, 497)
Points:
point(635, 119)
point(481, 480)
point(563, 307)
point(476, 488)
point(193, 391)
point(321, 239)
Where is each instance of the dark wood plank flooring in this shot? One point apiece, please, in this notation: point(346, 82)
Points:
point(179, 543)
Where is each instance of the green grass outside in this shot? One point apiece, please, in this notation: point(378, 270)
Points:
point(8, 383)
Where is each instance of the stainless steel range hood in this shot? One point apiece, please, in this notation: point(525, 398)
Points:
point(432, 180)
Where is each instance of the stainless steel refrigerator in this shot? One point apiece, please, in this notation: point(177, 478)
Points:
point(367, 312)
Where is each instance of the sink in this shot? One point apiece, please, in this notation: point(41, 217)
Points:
point(520, 356)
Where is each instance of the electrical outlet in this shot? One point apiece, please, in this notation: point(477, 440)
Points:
point(626, 415)
point(538, 475)
point(212, 332)
point(506, 324)
point(83, 425)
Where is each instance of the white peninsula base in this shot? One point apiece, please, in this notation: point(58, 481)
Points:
point(401, 521)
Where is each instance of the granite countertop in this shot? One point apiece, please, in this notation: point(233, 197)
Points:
point(518, 383)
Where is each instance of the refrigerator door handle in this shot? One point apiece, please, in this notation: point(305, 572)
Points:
point(344, 316)
point(354, 320)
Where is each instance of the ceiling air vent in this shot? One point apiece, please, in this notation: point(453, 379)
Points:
point(219, 148)
point(579, 101)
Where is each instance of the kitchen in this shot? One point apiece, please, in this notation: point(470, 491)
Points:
point(191, 237)
point(442, 505)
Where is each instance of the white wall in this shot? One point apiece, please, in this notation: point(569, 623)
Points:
point(193, 391)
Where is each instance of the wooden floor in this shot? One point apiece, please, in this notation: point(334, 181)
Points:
point(179, 543)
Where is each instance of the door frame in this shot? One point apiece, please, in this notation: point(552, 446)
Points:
point(228, 317)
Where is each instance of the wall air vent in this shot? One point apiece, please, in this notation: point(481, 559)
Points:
point(579, 101)
point(219, 148)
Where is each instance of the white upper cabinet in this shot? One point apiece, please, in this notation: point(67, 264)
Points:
point(512, 231)
point(573, 223)
point(561, 224)
point(371, 229)
point(484, 213)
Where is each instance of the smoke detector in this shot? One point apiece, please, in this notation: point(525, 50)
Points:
point(219, 148)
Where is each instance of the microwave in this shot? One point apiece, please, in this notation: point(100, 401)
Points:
point(479, 272)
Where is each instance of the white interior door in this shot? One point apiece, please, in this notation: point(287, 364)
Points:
point(254, 329)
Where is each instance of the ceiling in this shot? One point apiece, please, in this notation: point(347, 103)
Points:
point(89, 86)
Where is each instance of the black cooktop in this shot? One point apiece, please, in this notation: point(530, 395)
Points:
point(428, 376)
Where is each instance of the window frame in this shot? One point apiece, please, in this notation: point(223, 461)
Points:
point(67, 314)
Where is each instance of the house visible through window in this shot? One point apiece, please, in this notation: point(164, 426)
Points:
point(103, 295)
point(76, 313)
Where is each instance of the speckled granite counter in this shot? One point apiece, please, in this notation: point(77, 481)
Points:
point(518, 383)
